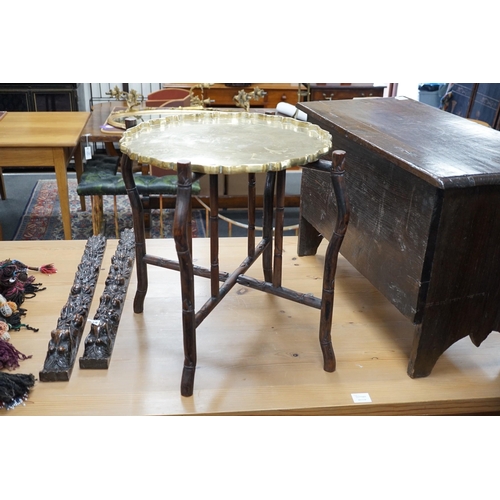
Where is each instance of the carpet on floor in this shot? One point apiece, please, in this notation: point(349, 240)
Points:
point(42, 216)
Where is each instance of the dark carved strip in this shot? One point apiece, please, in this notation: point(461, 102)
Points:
point(100, 340)
point(65, 338)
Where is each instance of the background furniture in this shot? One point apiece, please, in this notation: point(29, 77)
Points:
point(101, 178)
point(222, 95)
point(44, 139)
point(424, 187)
point(477, 101)
point(335, 91)
point(3, 192)
point(168, 97)
point(101, 92)
point(38, 97)
point(93, 131)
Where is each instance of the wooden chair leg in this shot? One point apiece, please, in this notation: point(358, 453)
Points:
point(97, 214)
point(161, 216)
point(3, 193)
point(115, 209)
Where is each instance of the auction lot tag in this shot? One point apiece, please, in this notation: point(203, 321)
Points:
point(361, 397)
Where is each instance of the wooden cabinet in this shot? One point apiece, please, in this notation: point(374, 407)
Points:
point(335, 91)
point(38, 97)
point(222, 95)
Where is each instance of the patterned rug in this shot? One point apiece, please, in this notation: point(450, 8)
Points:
point(42, 216)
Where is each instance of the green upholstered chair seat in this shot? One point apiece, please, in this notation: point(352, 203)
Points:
point(100, 178)
point(107, 163)
point(103, 182)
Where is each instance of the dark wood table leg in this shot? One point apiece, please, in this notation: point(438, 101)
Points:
point(182, 218)
point(139, 233)
point(214, 235)
point(251, 215)
point(331, 259)
point(278, 228)
point(267, 226)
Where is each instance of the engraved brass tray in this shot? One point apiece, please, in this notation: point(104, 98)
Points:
point(119, 114)
point(226, 143)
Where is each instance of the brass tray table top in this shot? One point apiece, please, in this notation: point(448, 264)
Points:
point(226, 143)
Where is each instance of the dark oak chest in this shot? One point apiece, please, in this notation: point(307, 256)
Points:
point(424, 188)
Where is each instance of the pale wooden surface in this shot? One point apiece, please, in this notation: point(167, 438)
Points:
point(42, 129)
point(257, 354)
point(44, 139)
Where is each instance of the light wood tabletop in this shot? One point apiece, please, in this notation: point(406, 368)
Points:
point(45, 139)
point(257, 354)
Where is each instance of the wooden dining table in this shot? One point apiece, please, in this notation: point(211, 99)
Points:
point(45, 139)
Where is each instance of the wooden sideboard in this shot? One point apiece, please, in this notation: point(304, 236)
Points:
point(336, 91)
point(222, 95)
point(424, 187)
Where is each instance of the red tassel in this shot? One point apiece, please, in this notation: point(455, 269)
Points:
point(46, 269)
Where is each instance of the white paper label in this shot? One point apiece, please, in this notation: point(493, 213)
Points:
point(361, 397)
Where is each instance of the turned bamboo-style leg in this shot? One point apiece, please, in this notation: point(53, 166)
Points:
point(251, 215)
point(267, 226)
point(139, 233)
point(331, 258)
point(139, 229)
point(182, 218)
point(214, 236)
point(278, 228)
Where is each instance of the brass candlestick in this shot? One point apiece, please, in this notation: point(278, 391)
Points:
point(243, 98)
point(197, 100)
point(132, 97)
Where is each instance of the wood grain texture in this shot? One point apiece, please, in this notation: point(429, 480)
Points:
point(42, 129)
point(428, 142)
point(257, 354)
point(45, 139)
